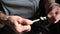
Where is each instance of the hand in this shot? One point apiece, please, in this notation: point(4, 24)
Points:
point(19, 24)
point(54, 14)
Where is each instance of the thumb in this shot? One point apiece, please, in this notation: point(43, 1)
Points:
point(27, 21)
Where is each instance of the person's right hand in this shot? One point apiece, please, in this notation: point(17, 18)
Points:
point(19, 24)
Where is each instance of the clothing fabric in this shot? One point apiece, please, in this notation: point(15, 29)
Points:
point(23, 8)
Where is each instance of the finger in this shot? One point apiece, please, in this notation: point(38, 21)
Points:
point(20, 20)
point(28, 22)
point(26, 28)
point(49, 16)
point(16, 23)
point(57, 18)
point(21, 28)
point(56, 21)
point(17, 27)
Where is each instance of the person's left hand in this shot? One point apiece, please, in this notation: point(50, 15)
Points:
point(19, 24)
point(54, 14)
